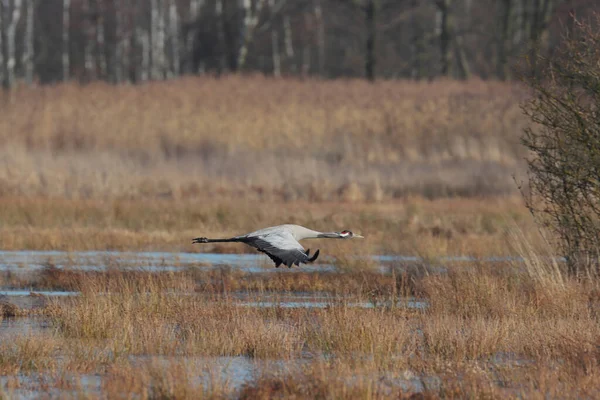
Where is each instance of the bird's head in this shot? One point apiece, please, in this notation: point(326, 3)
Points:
point(348, 235)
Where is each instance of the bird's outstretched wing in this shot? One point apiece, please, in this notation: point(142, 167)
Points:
point(282, 248)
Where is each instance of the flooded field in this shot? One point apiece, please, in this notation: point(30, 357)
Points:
point(166, 325)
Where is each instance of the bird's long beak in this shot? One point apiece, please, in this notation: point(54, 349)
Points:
point(359, 236)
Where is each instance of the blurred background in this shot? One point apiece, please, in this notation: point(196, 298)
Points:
point(135, 41)
point(186, 102)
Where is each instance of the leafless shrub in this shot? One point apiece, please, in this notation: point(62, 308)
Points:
point(564, 162)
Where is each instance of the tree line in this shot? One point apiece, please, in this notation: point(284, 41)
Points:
point(44, 41)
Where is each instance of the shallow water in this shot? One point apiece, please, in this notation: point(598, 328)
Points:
point(161, 261)
point(225, 372)
point(23, 261)
point(35, 386)
point(22, 326)
point(27, 300)
point(33, 293)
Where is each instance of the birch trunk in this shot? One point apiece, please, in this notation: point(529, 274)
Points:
point(219, 14)
point(126, 41)
point(444, 29)
point(156, 41)
point(9, 42)
point(27, 56)
point(161, 42)
point(538, 29)
point(2, 40)
point(248, 28)
point(195, 7)
point(101, 62)
point(174, 65)
point(65, 39)
point(276, 54)
point(306, 48)
point(464, 69)
point(417, 46)
point(318, 11)
point(142, 40)
point(288, 41)
point(502, 63)
point(88, 57)
point(117, 52)
point(517, 24)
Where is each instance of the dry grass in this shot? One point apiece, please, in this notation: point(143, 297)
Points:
point(150, 167)
point(206, 138)
point(492, 331)
point(409, 226)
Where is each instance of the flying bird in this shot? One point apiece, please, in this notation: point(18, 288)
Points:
point(281, 244)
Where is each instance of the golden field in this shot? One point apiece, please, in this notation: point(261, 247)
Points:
point(103, 167)
point(206, 138)
point(420, 169)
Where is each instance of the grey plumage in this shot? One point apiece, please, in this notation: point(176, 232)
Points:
point(281, 243)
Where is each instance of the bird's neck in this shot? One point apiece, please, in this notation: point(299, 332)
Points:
point(305, 233)
point(329, 235)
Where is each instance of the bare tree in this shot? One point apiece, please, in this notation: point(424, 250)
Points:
point(117, 49)
point(66, 11)
point(140, 44)
point(505, 29)
point(99, 11)
point(445, 25)
point(157, 40)
point(463, 69)
point(563, 148)
point(128, 26)
point(194, 12)
point(89, 30)
point(538, 27)
point(306, 47)
point(9, 40)
point(318, 12)
point(159, 45)
point(276, 53)
point(173, 38)
point(27, 55)
point(250, 22)
point(2, 41)
point(288, 41)
point(220, 17)
point(129, 39)
point(142, 41)
point(370, 19)
point(417, 44)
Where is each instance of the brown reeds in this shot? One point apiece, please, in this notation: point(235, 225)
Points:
point(492, 330)
point(204, 137)
point(409, 226)
point(155, 165)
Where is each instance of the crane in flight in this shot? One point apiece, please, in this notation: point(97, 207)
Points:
point(281, 244)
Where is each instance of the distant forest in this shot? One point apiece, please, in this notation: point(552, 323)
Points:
point(45, 41)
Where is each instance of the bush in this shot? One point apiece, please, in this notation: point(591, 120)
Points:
point(564, 145)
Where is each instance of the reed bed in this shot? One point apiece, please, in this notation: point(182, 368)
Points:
point(409, 226)
point(417, 168)
point(265, 139)
point(488, 330)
